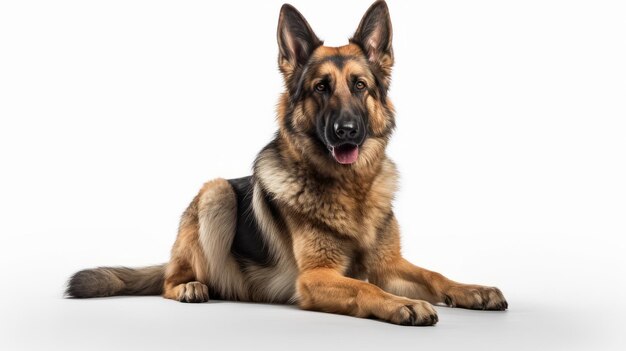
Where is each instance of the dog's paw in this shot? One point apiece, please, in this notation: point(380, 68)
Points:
point(193, 292)
point(414, 312)
point(475, 297)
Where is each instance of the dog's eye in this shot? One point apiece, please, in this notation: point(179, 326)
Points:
point(320, 87)
point(360, 85)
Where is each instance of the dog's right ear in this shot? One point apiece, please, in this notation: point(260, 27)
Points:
point(296, 40)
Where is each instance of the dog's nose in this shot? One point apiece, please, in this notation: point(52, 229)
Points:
point(346, 129)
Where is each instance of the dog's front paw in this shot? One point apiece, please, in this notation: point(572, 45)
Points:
point(414, 312)
point(193, 292)
point(475, 297)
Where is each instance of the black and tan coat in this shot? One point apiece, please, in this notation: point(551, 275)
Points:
point(314, 223)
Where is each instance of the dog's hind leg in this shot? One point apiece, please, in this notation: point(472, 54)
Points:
point(201, 255)
point(185, 275)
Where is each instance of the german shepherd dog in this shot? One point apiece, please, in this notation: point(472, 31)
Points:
point(314, 223)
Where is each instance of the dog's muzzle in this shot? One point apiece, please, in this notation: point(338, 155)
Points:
point(345, 134)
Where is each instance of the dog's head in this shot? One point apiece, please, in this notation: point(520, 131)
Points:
point(335, 108)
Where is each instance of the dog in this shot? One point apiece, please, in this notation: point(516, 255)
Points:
point(313, 225)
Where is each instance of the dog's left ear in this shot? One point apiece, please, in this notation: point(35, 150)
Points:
point(374, 36)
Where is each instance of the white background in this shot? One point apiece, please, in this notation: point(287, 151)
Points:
point(510, 142)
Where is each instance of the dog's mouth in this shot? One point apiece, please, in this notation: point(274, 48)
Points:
point(345, 154)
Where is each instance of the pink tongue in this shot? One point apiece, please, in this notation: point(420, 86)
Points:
point(346, 154)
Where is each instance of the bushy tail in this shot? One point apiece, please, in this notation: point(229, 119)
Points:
point(111, 281)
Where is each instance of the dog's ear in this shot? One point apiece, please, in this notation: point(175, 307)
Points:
point(374, 36)
point(296, 40)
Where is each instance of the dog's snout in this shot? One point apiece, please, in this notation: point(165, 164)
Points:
point(346, 129)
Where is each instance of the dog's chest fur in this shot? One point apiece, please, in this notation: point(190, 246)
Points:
point(347, 214)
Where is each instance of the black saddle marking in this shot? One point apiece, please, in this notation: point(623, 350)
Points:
point(248, 244)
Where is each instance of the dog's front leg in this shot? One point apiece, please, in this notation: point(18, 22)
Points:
point(394, 274)
point(326, 290)
point(403, 278)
